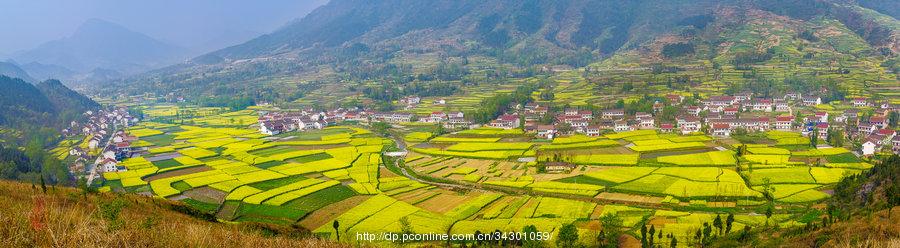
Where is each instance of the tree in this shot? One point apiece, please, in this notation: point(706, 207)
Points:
point(894, 119)
point(611, 225)
point(698, 236)
point(769, 211)
point(644, 236)
point(405, 227)
point(564, 128)
point(530, 232)
point(707, 231)
point(814, 138)
point(718, 223)
point(652, 232)
point(728, 221)
point(568, 236)
point(381, 128)
point(674, 242)
point(335, 225)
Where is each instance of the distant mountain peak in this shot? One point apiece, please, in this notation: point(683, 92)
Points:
point(98, 43)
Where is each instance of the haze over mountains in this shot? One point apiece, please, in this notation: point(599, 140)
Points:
point(104, 45)
point(61, 38)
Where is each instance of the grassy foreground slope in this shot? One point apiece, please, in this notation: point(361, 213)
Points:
point(863, 212)
point(65, 217)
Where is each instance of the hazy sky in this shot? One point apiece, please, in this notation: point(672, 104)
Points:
point(25, 24)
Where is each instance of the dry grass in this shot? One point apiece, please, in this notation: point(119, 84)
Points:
point(879, 229)
point(63, 217)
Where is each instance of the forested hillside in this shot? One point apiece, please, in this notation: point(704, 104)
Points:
point(30, 119)
point(427, 43)
point(48, 104)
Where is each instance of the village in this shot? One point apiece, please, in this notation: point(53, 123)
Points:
point(864, 122)
point(104, 144)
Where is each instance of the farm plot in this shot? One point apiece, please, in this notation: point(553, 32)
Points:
point(566, 188)
point(799, 175)
point(768, 151)
point(417, 136)
point(767, 159)
point(574, 139)
point(690, 182)
point(479, 154)
point(550, 207)
point(620, 175)
point(581, 145)
point(603, 159)
point(455, 140)
point(623, 135)
point(667, 147)
point(716, 158)
point(492, 131)
point(197, 153)
point(475, 147)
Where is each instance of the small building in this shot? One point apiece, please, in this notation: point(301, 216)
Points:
point(782, 106)
point(868, 148)
point(812, 100)
point(613, 114)
point(506, 121)
point(109, 165)
point(784, 123)
point(860, 102)
point(666, 127)
point(546, 131)
point(721, 129)
point(592, 131)
point(622, 126)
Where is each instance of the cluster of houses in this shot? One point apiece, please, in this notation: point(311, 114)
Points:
point(97, 125)
point(276, 122)
point(721, 116)
point(279, 122)
point(717, 116)
point(118, 149)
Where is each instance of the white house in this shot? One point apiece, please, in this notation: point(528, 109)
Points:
point(868, 148)
point(109, 165)
point(93, 144)
point(622, 126)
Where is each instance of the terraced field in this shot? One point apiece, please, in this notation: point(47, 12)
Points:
point(506, 179)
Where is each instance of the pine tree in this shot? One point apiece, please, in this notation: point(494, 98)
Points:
point(643, 236)
point(335, 225)
point(718, 223)
point(728, 221)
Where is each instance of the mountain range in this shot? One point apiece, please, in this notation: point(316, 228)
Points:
point(98, 45)
point(349, 36)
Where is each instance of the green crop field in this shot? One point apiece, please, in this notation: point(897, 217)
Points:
point(717, 158)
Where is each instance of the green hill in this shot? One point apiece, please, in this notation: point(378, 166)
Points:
point(348, 43)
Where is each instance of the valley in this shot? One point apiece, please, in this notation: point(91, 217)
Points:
point(407, 123)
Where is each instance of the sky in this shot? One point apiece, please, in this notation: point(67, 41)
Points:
point(193, 24)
